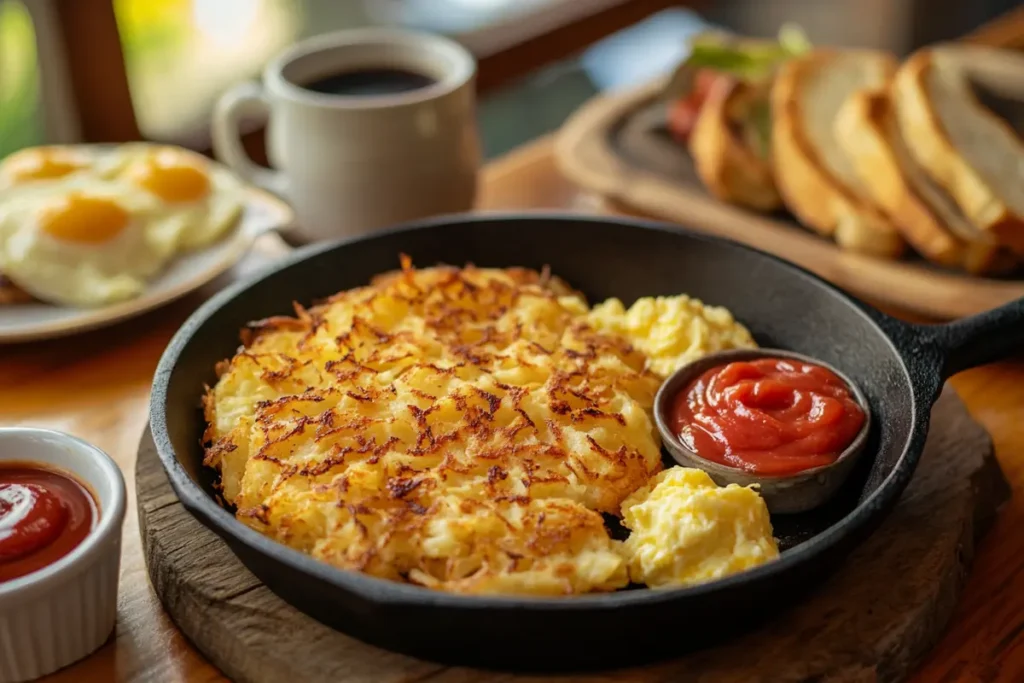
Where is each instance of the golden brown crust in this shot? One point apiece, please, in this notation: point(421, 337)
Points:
point(726, 164)
point(808, 188)
point(932, 148)
point(866, 128)
point(522, 276)
point(459, 428)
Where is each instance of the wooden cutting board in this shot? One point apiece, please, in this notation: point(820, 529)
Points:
point(873, 621)
point(616, 146)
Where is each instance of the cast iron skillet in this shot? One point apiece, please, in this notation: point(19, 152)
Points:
point(899, 366)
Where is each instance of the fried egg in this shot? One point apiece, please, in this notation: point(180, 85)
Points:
point(84, 247)
point(671, 331)
point(89, 225)
point(198, 200)
point(685, 529)
point(40, 167)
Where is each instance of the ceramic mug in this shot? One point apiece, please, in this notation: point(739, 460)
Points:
point(353, 163)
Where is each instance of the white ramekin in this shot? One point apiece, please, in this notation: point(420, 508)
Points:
point(63, 612)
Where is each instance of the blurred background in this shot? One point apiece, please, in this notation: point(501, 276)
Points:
point(125, 69)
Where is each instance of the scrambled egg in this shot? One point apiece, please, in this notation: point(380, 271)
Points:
point(688, 530)
point(462, 429)
point(671, 331)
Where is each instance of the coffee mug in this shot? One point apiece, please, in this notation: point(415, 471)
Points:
point(367, 128)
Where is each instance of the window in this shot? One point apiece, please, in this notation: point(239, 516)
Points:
point(487, 26)
point(120, 70)
point(180, 55)
point(20, 124)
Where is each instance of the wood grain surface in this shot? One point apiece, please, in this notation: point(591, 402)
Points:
point(96, 386)
point(873, 620)
point(613, 147)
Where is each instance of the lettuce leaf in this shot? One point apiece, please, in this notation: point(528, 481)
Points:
point(749, 60)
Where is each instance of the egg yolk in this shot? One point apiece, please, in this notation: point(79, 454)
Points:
point(172, 178)
point(83, 219)
point(41, 165)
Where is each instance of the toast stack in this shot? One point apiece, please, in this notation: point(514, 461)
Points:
point(876, 154)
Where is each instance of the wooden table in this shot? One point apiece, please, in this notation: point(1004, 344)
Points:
point(96, 387)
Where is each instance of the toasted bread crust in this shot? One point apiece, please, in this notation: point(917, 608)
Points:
point(865, 129)
point(930, 144)
point(725, 163)
point(808, 188)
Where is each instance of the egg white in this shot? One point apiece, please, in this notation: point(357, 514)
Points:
point(78, 274)
point(189, 225)
point(74, 273)
point(98, 162)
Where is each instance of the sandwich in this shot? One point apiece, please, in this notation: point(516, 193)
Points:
point(816, 178)
point(720, 111)
point(925, 215)
point(968, 151)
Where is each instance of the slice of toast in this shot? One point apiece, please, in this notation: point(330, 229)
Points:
point(972, 154)
point(731, 159)
point(816, 180)
point(929, 220)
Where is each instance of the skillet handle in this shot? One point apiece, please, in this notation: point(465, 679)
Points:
point(985, 338)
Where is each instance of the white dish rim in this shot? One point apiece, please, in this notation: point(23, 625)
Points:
point(272, 214)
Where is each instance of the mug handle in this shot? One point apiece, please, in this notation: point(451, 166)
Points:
point(243, 100)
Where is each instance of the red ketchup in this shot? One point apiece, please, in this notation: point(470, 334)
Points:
point(771, 416)
point(44, 515)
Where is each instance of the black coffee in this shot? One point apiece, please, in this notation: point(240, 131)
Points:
point(369, 82)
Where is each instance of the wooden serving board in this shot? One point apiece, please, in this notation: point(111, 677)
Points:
point(873, 621)
point(616, 146)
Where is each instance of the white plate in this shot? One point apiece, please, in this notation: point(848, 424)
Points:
point(34, 321)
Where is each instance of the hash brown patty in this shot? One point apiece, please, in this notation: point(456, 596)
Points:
point(457, 428)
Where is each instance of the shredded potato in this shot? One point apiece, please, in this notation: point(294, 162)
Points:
point(460, 429)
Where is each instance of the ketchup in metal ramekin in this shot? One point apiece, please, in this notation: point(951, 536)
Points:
point(768, 416)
